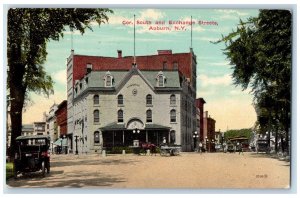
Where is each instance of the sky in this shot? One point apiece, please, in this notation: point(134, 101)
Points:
point(230, 106)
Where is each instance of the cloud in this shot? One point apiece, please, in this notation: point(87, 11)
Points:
point(76, 32)
point(151, 14)
point(60, 76)
point(222, 63)
point(204, 38)
point(232, 12)
point(220, 80)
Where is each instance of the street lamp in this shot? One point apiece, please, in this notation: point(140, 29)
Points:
point(76, 140)
point(195, 136)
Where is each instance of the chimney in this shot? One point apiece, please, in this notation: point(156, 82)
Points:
point(206, 114)
point(164, 52)
point(119, 53)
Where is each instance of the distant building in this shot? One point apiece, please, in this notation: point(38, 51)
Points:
point(27, 129)
point(51, 125)
point(200, 106)
point(209, 132)
point(61, 122)
point(39, 128)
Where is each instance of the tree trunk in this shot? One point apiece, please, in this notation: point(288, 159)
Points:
point(17, 91)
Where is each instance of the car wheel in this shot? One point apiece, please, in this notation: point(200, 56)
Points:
point(43, 168)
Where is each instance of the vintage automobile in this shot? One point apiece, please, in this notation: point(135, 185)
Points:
point(262, 146)
point(230, 147)
point(32, 154)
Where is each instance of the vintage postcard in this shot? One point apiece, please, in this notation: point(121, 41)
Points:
point(149, 98)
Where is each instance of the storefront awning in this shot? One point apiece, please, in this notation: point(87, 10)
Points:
point(156, 127)
point(113, 126)
point(61, 142)
point(116, 126)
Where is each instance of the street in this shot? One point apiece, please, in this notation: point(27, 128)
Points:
point(188, 170)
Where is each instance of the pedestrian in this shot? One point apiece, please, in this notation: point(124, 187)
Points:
point(200, 147)
point(164, 141)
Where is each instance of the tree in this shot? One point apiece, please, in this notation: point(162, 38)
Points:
point(29, 30)
point(260, 54)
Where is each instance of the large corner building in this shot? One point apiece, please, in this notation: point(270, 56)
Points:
point(112, 101)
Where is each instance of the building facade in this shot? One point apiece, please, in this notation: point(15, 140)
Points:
point(209, 132)
point(112, 102)
point(51, 124)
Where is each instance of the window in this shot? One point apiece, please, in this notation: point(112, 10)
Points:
point(96, 116)
point(172, 99)
point(149, 116)
point(120, 116)
point(175, 65)
point(148, 99)
point(108, 80)
point(120, 99)
point(96, 99)
point(160, 79)
point(173, 115)
point(96, 137)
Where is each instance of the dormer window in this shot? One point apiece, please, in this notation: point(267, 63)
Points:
point(160, 79)
point(89, 67)
point(108, 80)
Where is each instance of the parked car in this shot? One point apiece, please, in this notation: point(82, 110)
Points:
point(32, 154)
point(230, 148)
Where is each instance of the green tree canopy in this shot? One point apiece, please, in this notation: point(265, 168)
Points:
point(29, 30)
point(260, 54)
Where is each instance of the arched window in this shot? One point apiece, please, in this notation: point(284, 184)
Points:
point(149, 116)
point(173, 115)
point(96, 116)
point(120, 99)
point(96, 137)
point(108, 79)
point(120, 116)
point(149, 99)
point(160, 79)
point(96, 99)
point(172, 99)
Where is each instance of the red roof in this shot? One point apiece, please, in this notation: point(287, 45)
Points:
point(150, 62)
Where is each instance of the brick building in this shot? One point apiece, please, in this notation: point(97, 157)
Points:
point(109, 99)
point(200, 106)
point(209, 132)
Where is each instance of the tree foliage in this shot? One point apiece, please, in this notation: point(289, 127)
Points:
point(29, 30)
point(260, 54)
point(238, 133)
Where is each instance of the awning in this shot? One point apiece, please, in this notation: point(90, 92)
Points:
point(115, 126)
point(61, 142)
point(156, 127)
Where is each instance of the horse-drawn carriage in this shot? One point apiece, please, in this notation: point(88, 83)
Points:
point(150, 149)
point(172, 150)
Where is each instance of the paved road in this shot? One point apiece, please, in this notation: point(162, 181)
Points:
point(189, 170)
